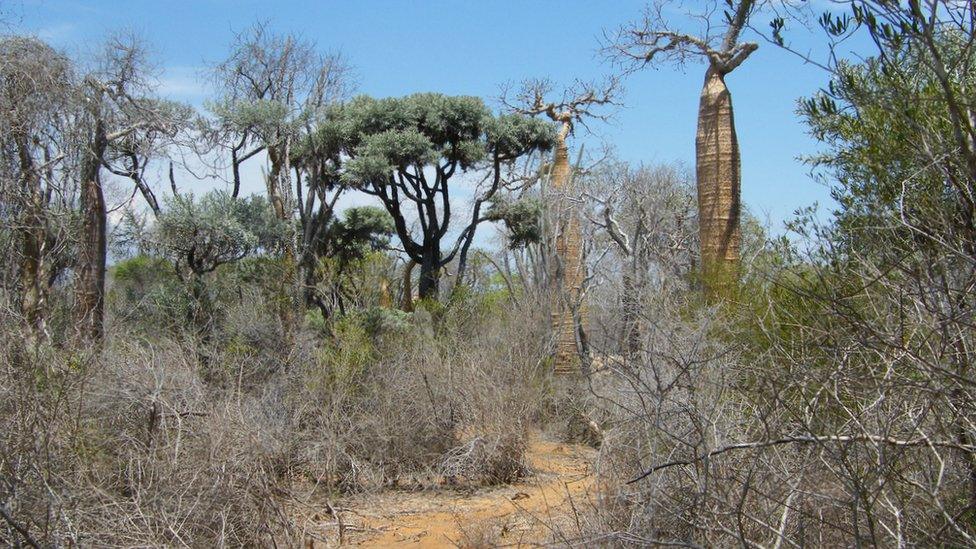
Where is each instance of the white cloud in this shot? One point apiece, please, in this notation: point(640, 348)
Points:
point(183, 83)
point(56, 32)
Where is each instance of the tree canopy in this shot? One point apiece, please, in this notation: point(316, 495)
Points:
point(405, 151)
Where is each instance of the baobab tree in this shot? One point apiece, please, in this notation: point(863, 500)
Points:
point(577, 104)
point(118, 107)
point(717, 167)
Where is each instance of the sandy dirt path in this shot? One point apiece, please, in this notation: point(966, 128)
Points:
point(514, 515)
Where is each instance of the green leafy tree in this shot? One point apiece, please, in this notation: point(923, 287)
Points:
point(522, 218)
point(406, 151)
point(361, 232)
point(881, 308)
point(200, 235)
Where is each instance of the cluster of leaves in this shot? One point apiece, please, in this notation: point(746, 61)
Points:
point(360, 231)
point(381, 136)
point(200, 235)
point(522, 218)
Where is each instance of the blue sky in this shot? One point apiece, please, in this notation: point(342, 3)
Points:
point(455, 47)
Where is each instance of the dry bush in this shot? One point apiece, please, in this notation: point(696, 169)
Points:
point(799, 424)
point(131, 448)
point(480, 533)
point(448, 398)
point(187, 441)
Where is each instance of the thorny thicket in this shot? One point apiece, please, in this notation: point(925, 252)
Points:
point(153, 442)
point(831, 402)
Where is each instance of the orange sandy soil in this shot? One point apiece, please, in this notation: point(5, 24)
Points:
point(515, 515)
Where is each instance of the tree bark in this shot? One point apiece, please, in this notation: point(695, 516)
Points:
point(570, 265)
point(430, 273)
point(631, 312)
point(407, 304)
point(292, 299)
point(33, 279)
point(33, 238)
point(718, 177)
point(90, 284)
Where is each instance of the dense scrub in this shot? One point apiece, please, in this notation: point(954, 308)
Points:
point(234, 356)
point(162, 439)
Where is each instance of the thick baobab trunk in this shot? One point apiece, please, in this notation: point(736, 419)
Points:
point(718, 175)
point(90, 282)
point(570, 261)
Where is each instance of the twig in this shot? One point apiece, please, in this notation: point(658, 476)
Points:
point(807, 440)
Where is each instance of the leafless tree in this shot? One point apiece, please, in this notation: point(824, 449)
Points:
point(36, 192)
point(118, 110)
point(647, 215)
point(578, 104)
point(719, 41)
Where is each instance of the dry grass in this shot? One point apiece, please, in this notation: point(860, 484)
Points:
point(171, 442)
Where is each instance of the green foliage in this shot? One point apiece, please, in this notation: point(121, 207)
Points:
point(386, 135)
point(406, 150)
point(146, 290)
point(360, 231)
point(874, 121)
point(200, 235)
point(141, 271)
point(522, 218)
point(512, 135)
point(190, 240)
point(263, 115)
point(351, 351)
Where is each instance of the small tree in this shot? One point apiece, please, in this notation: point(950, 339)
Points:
point(199, 236)
point(405, 151)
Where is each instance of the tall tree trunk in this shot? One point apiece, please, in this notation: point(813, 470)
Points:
point(631, 312)
point(570, 265)
point(407, 304)
point(292, 302)
point(306, 273)
point(33, 278)
point(90, 283)
point(430, 273)
point(718, 175)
